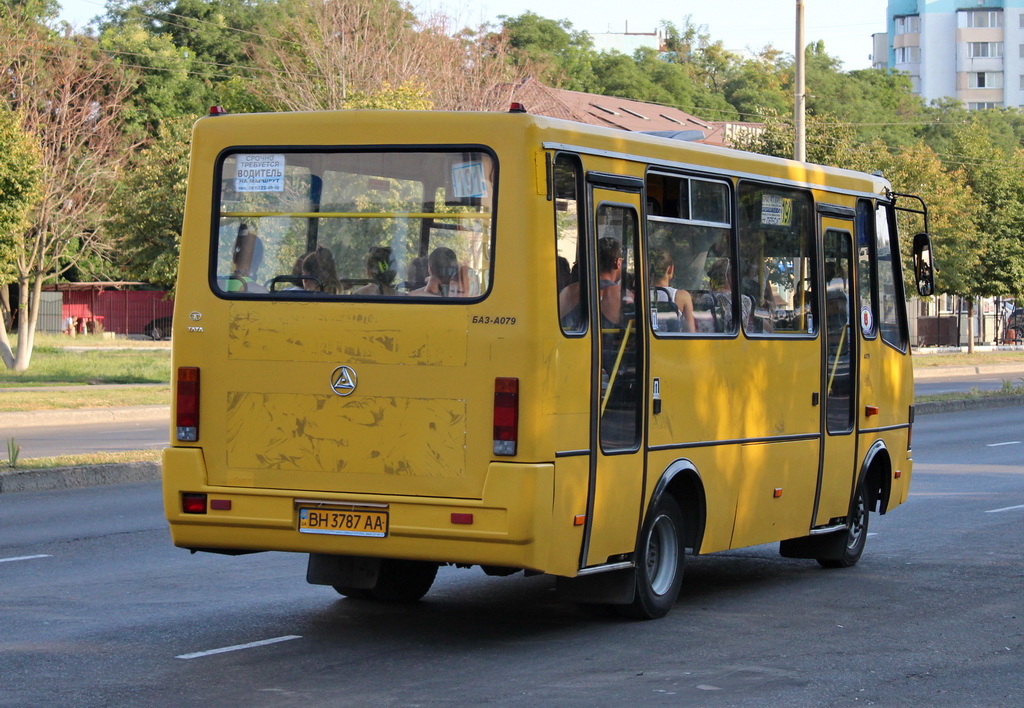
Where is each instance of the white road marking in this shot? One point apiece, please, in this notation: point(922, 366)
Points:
point(1005, 508)
point(238, 647)
point(24, 558)
point(1013, 442)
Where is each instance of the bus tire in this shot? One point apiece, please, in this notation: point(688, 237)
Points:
point(856, 534)
point(403, 580)
point(659, 562)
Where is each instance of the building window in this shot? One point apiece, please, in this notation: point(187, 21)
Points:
point(983, 105)
point(908, 55)
point(1021, 50)
point(910, 24)
point(985, 50)
point(985, 79)
point(981, 18)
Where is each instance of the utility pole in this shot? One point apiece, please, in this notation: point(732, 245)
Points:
point(799, 104)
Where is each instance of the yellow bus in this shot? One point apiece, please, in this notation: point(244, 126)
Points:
point(411, 339)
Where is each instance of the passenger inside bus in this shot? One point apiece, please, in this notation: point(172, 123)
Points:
point(674, 306)
point(319, 274)
point(720, 280)
point(380, 270)
point(246, 258)
point(609, 261)
point(415, 274)
point(442, 274)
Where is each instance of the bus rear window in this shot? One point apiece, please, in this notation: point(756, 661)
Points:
point(348, 225)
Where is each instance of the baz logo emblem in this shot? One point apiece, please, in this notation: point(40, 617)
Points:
point(343, 380)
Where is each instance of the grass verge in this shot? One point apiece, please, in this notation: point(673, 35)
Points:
point(922, 361)
point(84, 397)
point(53, 366)
point(96, 458)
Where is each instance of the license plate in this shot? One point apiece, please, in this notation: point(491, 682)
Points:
point(372, 523)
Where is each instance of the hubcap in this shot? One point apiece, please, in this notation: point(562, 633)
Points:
point(857, 522)
point(662, 555)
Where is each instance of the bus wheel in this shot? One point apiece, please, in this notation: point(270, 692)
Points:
point(856, 535)
point(660, 557)
point(403, 580)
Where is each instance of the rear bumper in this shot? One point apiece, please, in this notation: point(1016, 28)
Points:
point(512, 523)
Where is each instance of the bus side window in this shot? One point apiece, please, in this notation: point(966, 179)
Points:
point(776, 260)
point(570, 256)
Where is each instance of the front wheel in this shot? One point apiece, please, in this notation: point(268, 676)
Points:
point(856, 535)
point(659, 563)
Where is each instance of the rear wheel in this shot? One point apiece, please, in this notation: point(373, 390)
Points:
point(856, 534)
point(397, 581)
point(659, 563)
point(403, 581)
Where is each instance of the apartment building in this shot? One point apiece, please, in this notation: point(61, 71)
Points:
point(972, 50)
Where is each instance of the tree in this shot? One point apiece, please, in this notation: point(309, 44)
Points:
point(557, 54)
point(19, 191)
point(188, 54)
point(339, 53)
point(71, 98)
point(147, 209)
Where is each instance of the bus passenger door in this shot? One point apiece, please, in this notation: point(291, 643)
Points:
point(840, 391)
point(617, 376)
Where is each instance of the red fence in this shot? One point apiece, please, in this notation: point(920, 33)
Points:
point(120, 311)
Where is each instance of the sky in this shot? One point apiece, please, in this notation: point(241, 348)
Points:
point(846, 27)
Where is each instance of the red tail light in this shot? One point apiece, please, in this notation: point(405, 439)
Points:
point(187, 404)
point(506, 416)
point(193, 503)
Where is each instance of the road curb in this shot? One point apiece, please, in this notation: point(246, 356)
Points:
point(968, 404)
point(935, 372)
point(42, 480)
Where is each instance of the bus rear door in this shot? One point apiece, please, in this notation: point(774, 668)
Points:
point(617, 395)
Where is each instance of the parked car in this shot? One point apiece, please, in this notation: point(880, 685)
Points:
point(160, 328)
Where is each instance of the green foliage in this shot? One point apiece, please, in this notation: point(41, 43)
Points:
point(13, 451)
point(410, 96)
point(147, 208)
point(20, 186)
point(562, 55)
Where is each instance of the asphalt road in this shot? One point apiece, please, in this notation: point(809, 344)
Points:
point(98, 609)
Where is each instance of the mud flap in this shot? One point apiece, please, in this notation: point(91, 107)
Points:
point(348, 571)
point(827, 546)
point(616, 587)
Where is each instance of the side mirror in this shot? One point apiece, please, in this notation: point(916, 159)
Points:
point(924, 273)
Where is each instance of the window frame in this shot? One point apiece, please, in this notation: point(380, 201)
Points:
point(302, 296)
point(649, 220)
point(582, 245)
point(812, 258)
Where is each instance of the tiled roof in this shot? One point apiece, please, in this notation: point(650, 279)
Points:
point(621, 113)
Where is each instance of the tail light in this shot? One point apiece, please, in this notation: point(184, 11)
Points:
point(187, 404)
point(193, 503)
point(506, 416)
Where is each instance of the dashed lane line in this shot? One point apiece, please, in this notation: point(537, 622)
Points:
point(238, 647)
point(1005, 508)
point(24, 558)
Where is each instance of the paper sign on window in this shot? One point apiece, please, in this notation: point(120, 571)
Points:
point(468, 180)
point(776, 210)
point(259, 173)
